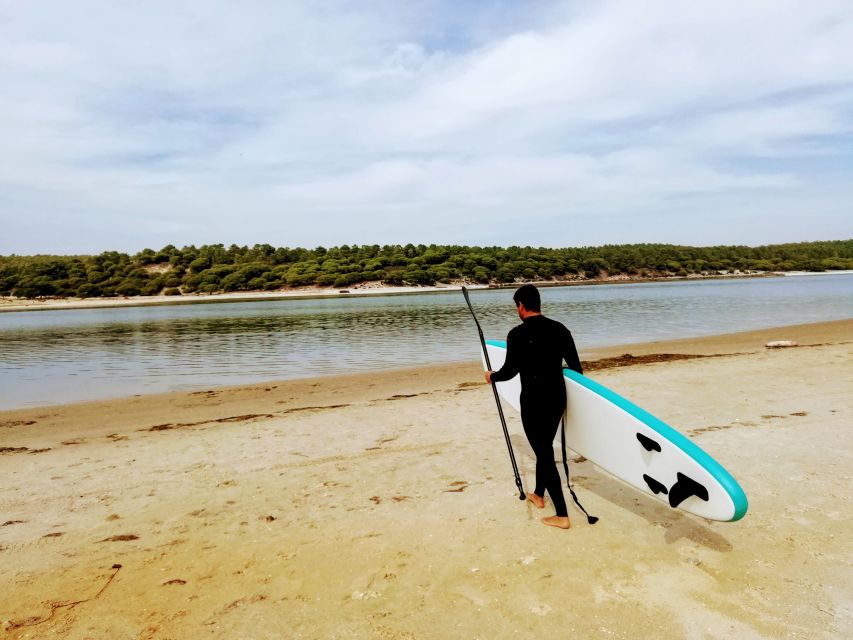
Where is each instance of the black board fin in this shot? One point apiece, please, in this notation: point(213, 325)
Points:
point(684, 488)
point(654, 485)
point(648, 443)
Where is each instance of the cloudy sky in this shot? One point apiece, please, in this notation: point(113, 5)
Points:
point(134, 124)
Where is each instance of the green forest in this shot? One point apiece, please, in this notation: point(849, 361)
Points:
point(262, 267)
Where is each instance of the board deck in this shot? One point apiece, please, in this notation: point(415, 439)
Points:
point(636, 447)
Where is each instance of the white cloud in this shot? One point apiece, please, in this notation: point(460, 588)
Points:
point(322, 123)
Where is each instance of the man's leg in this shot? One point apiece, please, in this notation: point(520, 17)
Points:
point(540, 433)
point(547, 468)
point(548, 477)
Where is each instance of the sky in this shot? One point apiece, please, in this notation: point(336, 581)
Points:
point(142, 123)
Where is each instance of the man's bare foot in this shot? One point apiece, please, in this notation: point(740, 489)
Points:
point(561, 522)
point(536, 500)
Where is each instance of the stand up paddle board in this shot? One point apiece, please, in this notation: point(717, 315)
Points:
point(636, 447)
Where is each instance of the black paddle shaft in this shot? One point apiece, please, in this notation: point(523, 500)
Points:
point(497, 398)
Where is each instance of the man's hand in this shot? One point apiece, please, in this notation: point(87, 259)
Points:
point(489, 377)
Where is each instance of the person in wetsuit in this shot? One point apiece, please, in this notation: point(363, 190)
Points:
point(536, 349)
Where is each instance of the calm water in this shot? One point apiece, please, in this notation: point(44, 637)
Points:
point(49, 357)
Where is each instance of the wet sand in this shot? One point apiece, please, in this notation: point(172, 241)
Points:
point(383, 506)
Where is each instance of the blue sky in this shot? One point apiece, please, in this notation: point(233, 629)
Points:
point(140, 124)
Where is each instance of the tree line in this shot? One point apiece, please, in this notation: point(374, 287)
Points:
point(262, 267)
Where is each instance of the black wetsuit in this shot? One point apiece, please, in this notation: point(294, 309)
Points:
point(536, 349)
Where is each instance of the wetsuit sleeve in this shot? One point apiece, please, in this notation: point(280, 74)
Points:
point(510, 368)
point(570, 352)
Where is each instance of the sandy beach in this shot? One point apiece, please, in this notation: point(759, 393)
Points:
point(383, 506)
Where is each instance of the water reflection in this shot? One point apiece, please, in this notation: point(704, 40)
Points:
point(61, 356)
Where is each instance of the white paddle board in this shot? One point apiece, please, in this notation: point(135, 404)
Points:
point(636, 447)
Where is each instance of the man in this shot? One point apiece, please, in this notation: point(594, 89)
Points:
point(536, 349)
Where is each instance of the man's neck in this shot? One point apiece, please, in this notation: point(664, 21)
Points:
point(529, 314)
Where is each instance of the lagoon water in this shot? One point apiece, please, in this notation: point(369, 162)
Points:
point(52, 357)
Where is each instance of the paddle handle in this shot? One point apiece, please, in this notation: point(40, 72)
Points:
point(521, 495)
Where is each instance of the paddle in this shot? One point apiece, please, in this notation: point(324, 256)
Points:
point(521, 495)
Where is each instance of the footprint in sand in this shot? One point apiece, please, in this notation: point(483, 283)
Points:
point(469, 385)
point(477, 597)
point(18, 423)
point(13, 449)
point(127, 537)
point(459, 487)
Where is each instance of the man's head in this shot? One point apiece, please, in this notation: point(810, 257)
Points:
point(527, 297)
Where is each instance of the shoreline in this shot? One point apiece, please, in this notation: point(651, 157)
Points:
point(805, 335)
point(9, 304)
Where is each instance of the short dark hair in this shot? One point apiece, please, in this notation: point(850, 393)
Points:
point(528, 295)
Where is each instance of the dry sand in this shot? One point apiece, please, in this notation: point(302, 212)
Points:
point(383, 506)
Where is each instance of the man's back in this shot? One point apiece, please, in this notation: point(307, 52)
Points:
point(536, 349)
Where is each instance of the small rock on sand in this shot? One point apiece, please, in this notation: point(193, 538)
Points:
point(780, 344)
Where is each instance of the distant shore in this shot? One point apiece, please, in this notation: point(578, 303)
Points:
point(8, 303)
point(300, 293)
